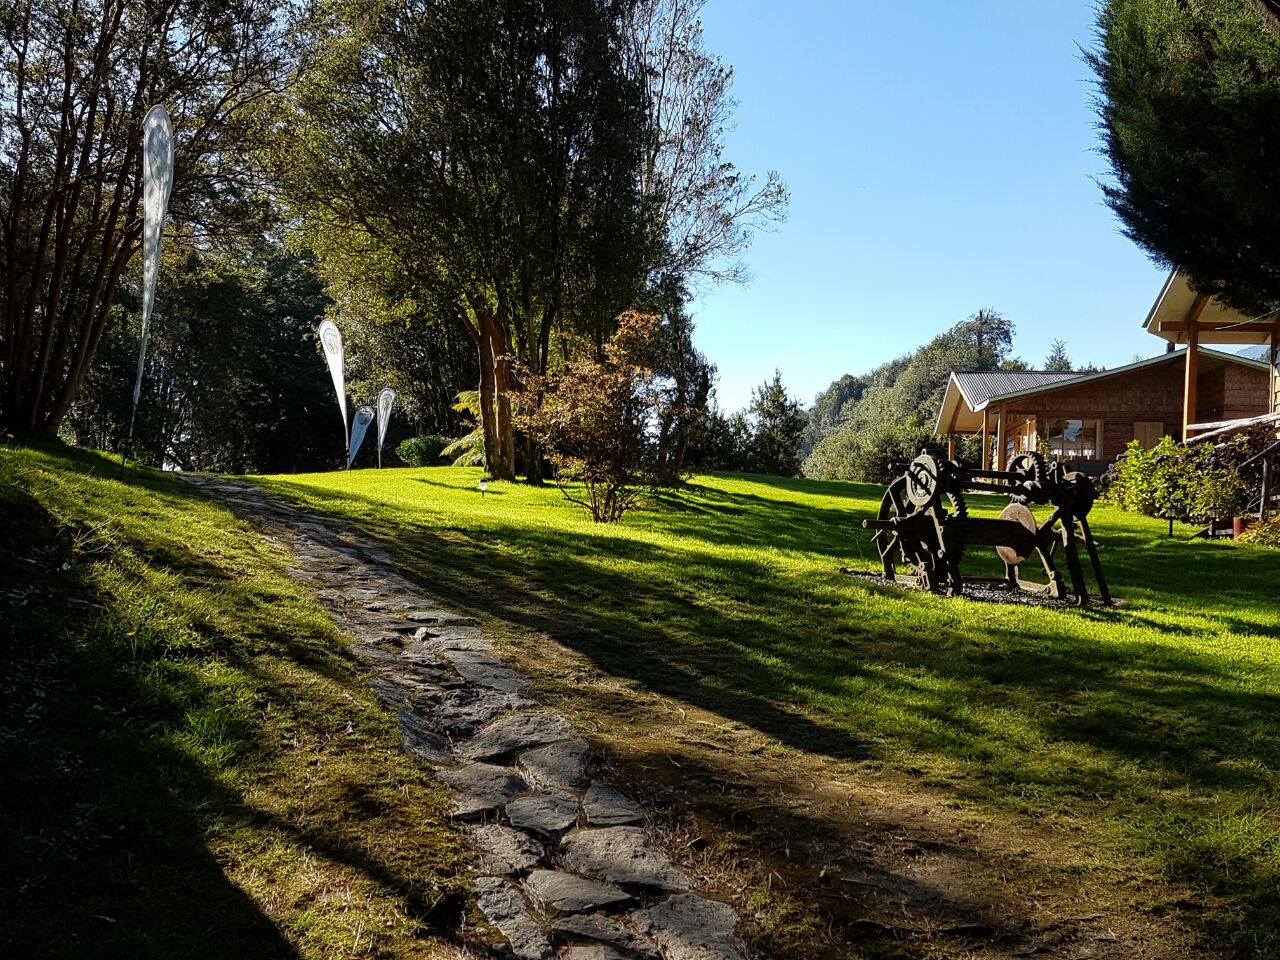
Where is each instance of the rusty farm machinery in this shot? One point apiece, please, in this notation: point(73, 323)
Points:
point(923, 527)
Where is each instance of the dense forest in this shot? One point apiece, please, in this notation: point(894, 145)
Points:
point(468, 189)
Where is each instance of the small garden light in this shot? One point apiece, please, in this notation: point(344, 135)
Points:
point(484, 485)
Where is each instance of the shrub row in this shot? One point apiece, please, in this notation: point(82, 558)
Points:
point(1200, 483)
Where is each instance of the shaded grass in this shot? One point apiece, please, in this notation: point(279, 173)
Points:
point(1153, 729)
point(193, 765)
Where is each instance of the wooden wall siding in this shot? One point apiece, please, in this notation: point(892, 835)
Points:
point(1117, 434)
point(1230, 392)
point(1210, 389)
point(1155, 390)
point(1151, 394)
point(1244, 392)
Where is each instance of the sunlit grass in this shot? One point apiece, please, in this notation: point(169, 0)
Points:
point(1155, 727)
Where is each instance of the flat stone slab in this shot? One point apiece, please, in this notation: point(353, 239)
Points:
point(549, 814)
point(469, 644)
point(517, 731)
point(437, 616)
point(621, 855)
point(594, 951)
point(610, 931)
point(568, 893)
point(514, 850)
point(502, 904)
point(689, 927)
point(418, 738)
point(462, 710)
point(425, 665)
point(562, 764)
point(452, 638)
point(397, 691)
point(606, 807)
point(482, 787)
point(484, 669)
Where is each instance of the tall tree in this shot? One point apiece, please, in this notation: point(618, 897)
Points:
point(396, 338)
point(701, 206)
point(1058, 360)
point(492, 147)
point(1190, 93)
point(75, 81)
point(778, 425)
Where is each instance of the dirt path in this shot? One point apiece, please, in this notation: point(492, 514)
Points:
point(566, 865)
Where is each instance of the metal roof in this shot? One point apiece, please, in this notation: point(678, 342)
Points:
point(979, 386)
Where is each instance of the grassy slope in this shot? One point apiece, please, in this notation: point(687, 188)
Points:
point(193, 766)
point(1153, 729)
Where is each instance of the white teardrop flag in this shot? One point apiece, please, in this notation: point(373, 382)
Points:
point(386, 400)
point(331, 341)
point(157, 184)
point(359, 426)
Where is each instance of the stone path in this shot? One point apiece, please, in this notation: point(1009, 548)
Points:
point(566, 868)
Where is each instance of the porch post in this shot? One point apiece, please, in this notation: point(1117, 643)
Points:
point(1273, 341)
point(951, 446)
point(1193, 364)
point(1001, 439)
point(986, 441)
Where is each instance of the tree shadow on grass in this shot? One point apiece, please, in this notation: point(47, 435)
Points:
point(735, 637)
point(880, 878)
point(104, 853)
point(1128, 714)
point(106, 812)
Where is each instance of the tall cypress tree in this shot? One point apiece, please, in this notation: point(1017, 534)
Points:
point(1190, 98)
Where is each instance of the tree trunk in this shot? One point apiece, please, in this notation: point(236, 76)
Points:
point(532, 462)
point(495, 405)
point(502, 404)
point(488, 422)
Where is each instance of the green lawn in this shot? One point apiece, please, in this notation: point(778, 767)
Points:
point(193, 766)
point(1153, 730)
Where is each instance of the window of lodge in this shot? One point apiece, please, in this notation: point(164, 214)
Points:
point(1074, 439)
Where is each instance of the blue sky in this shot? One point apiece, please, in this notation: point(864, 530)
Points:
point(938, 162)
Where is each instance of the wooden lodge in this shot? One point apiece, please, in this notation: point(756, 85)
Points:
point(1089, 418)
